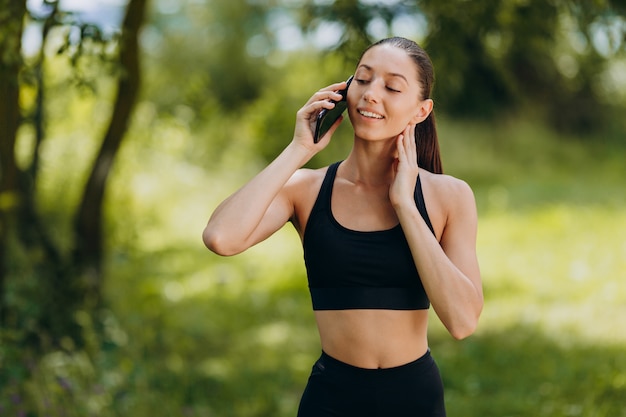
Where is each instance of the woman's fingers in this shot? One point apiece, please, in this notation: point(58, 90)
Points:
point(411, 146)
point(306, 117)
point(407, 150)
point(328, 93)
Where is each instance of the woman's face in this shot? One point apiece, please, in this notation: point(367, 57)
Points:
point(385, 95)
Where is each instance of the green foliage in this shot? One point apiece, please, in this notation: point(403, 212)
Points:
point(519, 371)
point(212, 59)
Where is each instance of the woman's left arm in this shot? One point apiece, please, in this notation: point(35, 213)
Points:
point(448, 268)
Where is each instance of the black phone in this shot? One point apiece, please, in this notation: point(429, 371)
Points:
point(327, 117)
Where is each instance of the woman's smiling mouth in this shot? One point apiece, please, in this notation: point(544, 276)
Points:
point(370, 114)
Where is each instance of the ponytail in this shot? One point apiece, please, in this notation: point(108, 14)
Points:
point(428, 154)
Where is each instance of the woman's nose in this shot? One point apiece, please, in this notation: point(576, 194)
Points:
point(370, 96)
point(371, 93)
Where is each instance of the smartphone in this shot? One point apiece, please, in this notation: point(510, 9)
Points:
point(327, 117)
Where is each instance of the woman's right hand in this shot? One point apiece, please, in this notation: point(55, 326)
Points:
point(306, 117)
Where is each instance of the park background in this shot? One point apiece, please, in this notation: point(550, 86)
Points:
point(123, 123)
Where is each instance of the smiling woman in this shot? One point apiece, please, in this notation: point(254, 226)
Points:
point(385, 236)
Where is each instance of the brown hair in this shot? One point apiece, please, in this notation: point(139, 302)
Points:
point(428, 155)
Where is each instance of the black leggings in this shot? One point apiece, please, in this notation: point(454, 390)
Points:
point(337, 389)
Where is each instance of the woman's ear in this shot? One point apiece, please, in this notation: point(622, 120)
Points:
point(424, 109)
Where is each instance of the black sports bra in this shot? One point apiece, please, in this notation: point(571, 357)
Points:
point(349, 269)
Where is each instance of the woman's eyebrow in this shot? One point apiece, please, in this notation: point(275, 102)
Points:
point(393, 74)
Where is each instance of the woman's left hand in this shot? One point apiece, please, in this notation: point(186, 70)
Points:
point(405, 167)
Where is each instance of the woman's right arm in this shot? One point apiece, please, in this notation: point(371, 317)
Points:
point(264, 205)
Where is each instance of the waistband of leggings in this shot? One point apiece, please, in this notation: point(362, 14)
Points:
point(329, 362)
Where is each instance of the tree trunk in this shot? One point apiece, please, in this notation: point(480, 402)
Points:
point(88, 252)
point(11, 25)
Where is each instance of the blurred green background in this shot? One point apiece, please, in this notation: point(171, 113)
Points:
point(123, 123)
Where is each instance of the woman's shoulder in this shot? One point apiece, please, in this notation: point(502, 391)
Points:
point(448, 193)
point(305, 183)
point(445, 184)
point(303, 188)
point(304, 177)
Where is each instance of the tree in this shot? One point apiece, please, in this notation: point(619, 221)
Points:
point(11, 22)
point(63, 282)
point(88, 245)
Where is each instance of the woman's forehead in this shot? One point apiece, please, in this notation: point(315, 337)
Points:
point(389, 59)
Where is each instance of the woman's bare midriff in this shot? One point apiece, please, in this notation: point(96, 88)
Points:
point(373, 338)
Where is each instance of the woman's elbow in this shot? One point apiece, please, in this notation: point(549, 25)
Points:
point(464, 328)
point(466, 320)
point(462, 332)
point(216, 243)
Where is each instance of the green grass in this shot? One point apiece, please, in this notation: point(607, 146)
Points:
point(551, 340)
point(191, 334)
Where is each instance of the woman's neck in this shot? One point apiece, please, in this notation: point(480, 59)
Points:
point(370, 163)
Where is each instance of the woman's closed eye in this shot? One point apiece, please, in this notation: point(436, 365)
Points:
point(392, 88)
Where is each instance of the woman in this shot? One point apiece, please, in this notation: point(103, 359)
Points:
point(376, 258)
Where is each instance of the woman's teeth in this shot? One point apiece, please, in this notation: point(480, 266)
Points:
point(370, 114)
